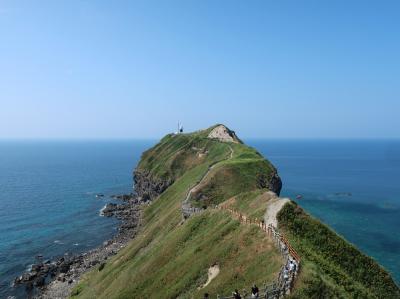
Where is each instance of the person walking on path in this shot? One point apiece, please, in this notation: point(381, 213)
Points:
point(254, 291)
point(236, 295)
point(291, 266)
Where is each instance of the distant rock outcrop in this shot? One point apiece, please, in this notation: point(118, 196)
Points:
point(223, 134)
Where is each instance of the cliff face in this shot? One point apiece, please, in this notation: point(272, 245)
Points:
point(272, 182)
point(275, 183)
point(147, 186)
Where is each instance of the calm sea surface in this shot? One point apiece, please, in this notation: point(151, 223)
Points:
point(47, 198)
point(48, 204)
point(354, 186)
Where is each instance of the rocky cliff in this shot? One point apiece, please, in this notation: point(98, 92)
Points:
point(147, 186)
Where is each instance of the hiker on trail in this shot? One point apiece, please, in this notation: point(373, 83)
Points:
point(206, 296)
point(236, 294)
point(292, 266)
point(254, 291)
point(285, 274)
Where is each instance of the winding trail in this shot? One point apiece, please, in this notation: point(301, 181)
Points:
point(284, 284)
point(274, 205)
point(187, 208)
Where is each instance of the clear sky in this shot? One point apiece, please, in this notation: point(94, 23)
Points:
point(132, 69)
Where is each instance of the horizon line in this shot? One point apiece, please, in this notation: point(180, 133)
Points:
point(158, 138)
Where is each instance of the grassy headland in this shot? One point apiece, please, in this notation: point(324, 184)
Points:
point(170, 257)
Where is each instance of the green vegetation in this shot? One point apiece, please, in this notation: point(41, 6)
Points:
point(175, 154)
point(332, 267)
point(251, 204)
point(246, 171)
point(170, 258)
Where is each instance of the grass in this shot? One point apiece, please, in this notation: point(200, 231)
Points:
point(252, 203)
point(175, 154)
point(169, 259)
point(246, 171)
point(333, 267)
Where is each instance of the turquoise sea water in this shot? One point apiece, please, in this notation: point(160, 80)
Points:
point(47, 198)
point(353, 186)
point(48, 204)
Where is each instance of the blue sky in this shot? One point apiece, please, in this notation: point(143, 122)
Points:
point(132, 69)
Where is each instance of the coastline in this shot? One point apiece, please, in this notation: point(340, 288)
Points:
point(56, 279)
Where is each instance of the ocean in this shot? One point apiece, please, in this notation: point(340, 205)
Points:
point(351, 185)
point(49, 206)
point(48, 201)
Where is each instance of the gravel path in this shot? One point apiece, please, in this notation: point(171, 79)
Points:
point(187, 208)
point(274, 205)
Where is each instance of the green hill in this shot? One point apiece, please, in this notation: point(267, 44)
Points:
point(170, 257)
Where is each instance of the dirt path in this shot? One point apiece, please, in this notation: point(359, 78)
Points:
point(283, 284)
point(186, 206)
point(274, 205)
point(205, 175)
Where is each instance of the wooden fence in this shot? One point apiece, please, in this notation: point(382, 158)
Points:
point(269, 229)
point(285, 282)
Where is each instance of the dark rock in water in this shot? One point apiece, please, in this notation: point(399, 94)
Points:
point(109, 209)
point(28, 276)
point(123, 197)
point(36, 267)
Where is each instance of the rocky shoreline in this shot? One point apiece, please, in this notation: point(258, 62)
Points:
point(55, 279)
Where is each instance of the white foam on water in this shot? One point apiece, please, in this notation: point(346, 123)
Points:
point(101, 213)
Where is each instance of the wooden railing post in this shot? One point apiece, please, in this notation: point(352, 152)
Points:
point(282, 286)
